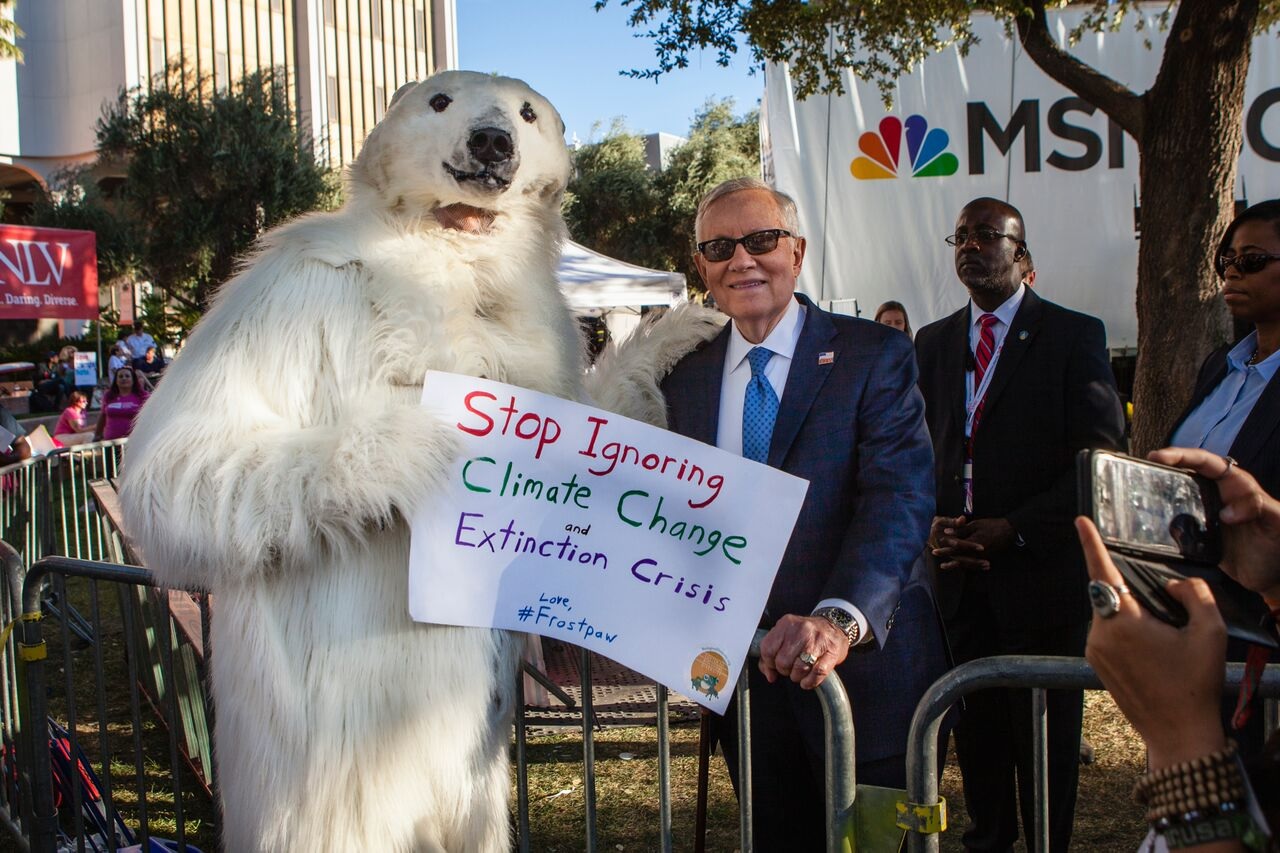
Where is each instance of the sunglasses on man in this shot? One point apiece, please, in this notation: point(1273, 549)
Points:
point(756, 243)
point(1247, 264)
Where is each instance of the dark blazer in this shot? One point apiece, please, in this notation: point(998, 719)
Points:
point(1052, 394)
point(854, 429)
point(1257, 446)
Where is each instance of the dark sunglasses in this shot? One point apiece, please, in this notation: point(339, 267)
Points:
point(756, 243)
point(1247, 263)
point(982, 235)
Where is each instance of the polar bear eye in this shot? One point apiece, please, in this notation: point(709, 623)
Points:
point(440, 102)
point(527, 113)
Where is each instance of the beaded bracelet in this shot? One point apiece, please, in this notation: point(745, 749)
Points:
point(1198, 788)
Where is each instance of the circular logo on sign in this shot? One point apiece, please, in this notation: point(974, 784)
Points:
point(709, 673)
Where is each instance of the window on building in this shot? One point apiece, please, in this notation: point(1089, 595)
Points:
point(379, 102)
point(419, 29)
point(157, 56)
point(330, 14)
point(221, 70)
point(375, 18)
point(277, 5)
point(331, 96)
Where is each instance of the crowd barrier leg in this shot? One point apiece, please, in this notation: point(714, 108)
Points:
point(924, 813)
point(840, 773)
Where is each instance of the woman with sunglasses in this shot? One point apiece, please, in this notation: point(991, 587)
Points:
point(1235, 406)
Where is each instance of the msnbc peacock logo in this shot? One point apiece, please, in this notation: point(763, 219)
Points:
point(927, 149)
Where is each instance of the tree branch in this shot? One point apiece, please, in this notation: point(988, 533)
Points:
point(1114, 99)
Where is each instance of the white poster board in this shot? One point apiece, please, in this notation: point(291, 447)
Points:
point(86, 365)
point(647, 547)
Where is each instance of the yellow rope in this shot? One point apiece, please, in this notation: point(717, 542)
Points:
point(8, 629)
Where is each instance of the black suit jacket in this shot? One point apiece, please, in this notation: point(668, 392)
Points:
point(854, 428)
point(1052, 394)
point(1257, 446)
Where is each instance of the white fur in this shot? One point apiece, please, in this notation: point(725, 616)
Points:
point(278, 461)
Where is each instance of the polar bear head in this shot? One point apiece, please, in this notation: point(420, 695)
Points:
point(463, 147)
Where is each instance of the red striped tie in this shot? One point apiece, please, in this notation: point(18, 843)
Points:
point(986, 346)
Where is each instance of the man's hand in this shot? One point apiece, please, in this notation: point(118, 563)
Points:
point(793, 636)
point(1250, 519)
point(963, 544)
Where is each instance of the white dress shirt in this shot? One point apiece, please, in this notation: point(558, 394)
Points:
point(1004, 315)
point(781, 341)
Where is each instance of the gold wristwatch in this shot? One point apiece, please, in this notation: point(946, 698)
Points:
point(843, 620)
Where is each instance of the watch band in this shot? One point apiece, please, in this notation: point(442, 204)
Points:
point(843, 620)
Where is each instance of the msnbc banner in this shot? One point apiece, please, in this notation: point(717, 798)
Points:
point(650, 548)
point(879, 188)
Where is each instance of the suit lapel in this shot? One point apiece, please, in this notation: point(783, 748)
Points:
point(1026, 323)
point(804, 380)
point(955, 346)
point(706, 370)
point(1258, 426)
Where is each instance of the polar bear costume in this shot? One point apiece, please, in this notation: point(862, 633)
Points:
point(277, 463)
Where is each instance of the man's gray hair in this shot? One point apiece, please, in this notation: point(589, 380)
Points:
point(786, 204)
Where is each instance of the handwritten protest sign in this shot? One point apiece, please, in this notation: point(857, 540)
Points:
point(652, 549)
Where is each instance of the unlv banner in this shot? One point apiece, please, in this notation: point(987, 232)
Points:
point(879, 189)
point(48, 272)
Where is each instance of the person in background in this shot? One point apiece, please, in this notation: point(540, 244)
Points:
point(138, 343)
point(894, 314)
point(18, 449)
point(1014, 387)
point(120, 356)
point(120, 405)
point(1177, 713)
point(151, 363)
point(72, 427)
point(1235, 404)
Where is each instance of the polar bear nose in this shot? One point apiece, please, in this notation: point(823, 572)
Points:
point(490, 145)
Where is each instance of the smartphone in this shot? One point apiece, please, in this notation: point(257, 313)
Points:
point(1151, 511)
point(1161, 524)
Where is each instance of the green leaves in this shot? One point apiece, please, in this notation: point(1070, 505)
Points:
point(617, 205)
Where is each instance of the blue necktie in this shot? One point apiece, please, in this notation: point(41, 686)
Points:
point(759, 409)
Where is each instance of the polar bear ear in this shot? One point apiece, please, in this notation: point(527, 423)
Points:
point(401, 92)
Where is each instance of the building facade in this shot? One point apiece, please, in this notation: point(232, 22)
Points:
point(340, 60)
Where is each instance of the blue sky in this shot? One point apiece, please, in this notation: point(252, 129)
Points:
point(572, 55)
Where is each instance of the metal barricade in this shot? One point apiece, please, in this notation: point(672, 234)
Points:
point(922, 816)
point(839, 740)
point(100, 739)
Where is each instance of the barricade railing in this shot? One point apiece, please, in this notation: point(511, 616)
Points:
point(839, 762)
point(72, 779)
point(924, 813)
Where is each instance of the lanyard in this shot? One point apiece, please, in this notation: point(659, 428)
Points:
point(976, 395)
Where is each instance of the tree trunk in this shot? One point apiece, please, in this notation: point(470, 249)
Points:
point(1188, 129)
point(1190, 146)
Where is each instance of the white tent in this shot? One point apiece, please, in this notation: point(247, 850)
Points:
point(598, 285)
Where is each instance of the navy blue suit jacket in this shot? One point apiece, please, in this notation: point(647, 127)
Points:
point(854, 428)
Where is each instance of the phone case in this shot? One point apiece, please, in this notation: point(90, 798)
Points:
point(1147, 574)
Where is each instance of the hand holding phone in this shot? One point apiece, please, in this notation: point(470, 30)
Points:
point(1161, 524)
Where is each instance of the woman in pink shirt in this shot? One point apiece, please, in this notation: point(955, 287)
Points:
point(72, 428)
point(120, 405)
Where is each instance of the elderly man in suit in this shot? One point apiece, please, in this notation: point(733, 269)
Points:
point(1014, 387)
point(833, 400)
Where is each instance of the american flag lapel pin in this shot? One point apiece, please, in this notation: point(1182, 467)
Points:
point(826, 357)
